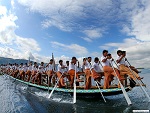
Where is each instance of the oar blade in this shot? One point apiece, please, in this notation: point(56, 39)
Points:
point(51, 94)
point(126, 95)
point(74, 94)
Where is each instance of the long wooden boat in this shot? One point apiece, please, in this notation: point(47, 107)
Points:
point(95, 92)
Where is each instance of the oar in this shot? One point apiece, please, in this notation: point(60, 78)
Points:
point(48, 82)
point(122, 88)
point(101, 64)
point(99, 88)
point(54, 87)
point(100, 91)
point(74, 92)
point(129, 77)
point(130, 68)
point(140, 84)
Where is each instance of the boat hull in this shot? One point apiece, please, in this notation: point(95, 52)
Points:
point(79, 92)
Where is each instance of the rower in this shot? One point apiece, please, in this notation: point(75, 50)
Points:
point(50, 71)
point(40, 71)
point(11, 69)
point(29, 70)
point(71, 72)
point(20, 70)
point(34, 71)
point(87, 69)
point(61, 73)
point(123, 66)
point(8, 68)
point(24, 70)
point(108, 70)
point(96, 70)
point(16, 71)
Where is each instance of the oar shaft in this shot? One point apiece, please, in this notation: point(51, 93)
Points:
point(132, 71)
point(100, 91)
point(99, 88)
point(140, 84)
point(74, 93)
point(122, 88)
point(54, 87)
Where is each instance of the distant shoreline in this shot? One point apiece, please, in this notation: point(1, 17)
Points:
point(140, 68)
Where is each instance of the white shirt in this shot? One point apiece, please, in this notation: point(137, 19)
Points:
point(107, 63)
point(10, 67)
point(122, 61)
point(87, 65)
point(30, 68)
point(50, 67)
point(73, 66)
point(67, 68)
point(34, 68)
point(24, 68)
point(96, 67)
point(60, 69)
point(20, 68)
point(41, 69)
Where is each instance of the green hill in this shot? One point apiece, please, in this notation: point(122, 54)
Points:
point(12, 61)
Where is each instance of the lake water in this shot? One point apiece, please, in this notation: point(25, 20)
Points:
point(19, 98)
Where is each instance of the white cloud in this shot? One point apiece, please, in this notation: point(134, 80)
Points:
point(7, 26)
point(26, 44)
point(93, 33)
point(73, 48)
point(139, 20)
point(3, 10)
point(13, 4)
point(68, 15)
point(12, 45)
point(86, 39)
point(125, 44)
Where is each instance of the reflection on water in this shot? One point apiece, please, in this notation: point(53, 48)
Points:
point(19, 98)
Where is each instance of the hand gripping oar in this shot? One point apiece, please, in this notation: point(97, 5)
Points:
point(74, 92)
point(122, 88)
point(140, 84)
point(54, 87)
point(99, 88)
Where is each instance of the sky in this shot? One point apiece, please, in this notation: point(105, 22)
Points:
point(81, 28)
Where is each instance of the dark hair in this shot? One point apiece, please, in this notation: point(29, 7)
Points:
point(51, 59)
point(84, 59)
point(96, 59)
point(74, 58)
point(119, 51)
point(108, 54)
point(104, 51)
point(67, 61)
point(89, 57)
point(60, 61)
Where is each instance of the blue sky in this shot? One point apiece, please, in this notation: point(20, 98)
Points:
point(78, 28)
